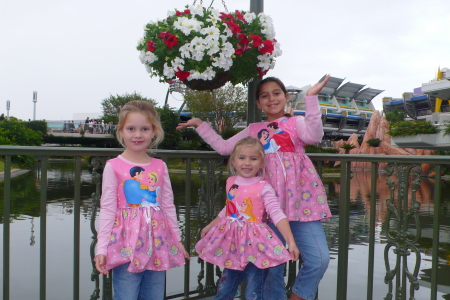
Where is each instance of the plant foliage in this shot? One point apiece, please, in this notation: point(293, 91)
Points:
point(415, 127)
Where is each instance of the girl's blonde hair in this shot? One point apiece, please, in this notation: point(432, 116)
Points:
point(239, 147)
point(147, 109)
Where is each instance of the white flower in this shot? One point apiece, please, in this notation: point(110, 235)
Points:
point(194, 75)
point(142, 56)
point(212, 33)
point(268, 31)
point(196, 10)
point(198, 54)
point(148, 69)
point(185, 51)
point(168, 71)
point(214, 18)
point(264, 61)
point(213, 48)
point(249, 16)
point(198, 43)
point(186, 25)
point(178, 63)
point(141, 41)
point(228, 49)
point(209, 74)
point(150, 57)
point(222, 62)
point(277, 50)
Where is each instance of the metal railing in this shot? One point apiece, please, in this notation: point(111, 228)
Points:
point(402, 172)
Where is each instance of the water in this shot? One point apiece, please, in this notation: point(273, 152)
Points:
point(25, 236)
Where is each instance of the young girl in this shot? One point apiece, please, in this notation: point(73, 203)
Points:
point(138, 235)
point(237, 239)
point(299, 189)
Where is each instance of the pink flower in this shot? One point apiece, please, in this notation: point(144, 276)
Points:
point(240, 16)
point(241, 49)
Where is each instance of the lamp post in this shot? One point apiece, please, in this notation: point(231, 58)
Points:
point(34, 100)
point(253, 113)
point(293, 92)
point(8, 104)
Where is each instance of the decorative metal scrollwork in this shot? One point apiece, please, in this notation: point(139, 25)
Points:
point(211, 201)
point(398, 230)
point(98, 164)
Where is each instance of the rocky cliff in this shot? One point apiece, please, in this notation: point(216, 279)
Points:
point(377, 128)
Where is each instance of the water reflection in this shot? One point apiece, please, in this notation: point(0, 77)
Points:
point(25, 232)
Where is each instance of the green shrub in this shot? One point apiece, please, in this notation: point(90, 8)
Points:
point(374, 142)
point(415, 127)
point(318, 149)
point(37, 126)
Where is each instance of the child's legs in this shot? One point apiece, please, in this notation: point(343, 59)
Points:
point(228, 284)
point(311, 241)
point(153, 285)
point(254, 279)
point(274, 286)
point(140, 286)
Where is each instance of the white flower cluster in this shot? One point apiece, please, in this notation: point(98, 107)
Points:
point(211, 42)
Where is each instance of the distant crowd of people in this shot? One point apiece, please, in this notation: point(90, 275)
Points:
point(90, 126)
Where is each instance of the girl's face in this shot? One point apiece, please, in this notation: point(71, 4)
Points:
point(265, 134)
point(248, 162)
point(137, 132)
point(272, 100)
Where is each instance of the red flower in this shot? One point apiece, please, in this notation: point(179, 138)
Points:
point(169, 39)
point(182, 75)
point(233, 27)
point(226, 16)
point(240, 16)
point(257, 41)
point(185, 12)
point(262, 73)
point(172, 41)
point(241, 49)
point(243, 39)
point(151, 46)
point(267, 47)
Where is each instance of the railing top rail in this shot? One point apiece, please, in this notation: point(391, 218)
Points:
point(88, 151)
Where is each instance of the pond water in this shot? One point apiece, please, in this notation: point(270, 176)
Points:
point(24, 263)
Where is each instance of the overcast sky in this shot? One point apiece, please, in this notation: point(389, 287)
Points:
point(77, 53)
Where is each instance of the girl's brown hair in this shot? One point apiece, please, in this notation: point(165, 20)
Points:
point(240, 145)
point(269, 79)
point(148, 110)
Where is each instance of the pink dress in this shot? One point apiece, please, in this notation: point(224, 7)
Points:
point(288, 169)
point(142, 233)
point(240, 236)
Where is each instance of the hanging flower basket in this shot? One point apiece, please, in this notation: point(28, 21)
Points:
point(205, 48)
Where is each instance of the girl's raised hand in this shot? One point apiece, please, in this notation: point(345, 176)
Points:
point(194, 122)
point(315, 89)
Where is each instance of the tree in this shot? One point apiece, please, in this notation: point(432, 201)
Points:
point(112, 105)
point(223, 107)
point(169, 121)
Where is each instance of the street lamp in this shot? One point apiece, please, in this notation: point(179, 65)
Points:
point(8, 104)
point(293, 92)
point(34, 100)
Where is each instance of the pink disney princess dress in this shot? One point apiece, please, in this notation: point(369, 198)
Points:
point(241, 236)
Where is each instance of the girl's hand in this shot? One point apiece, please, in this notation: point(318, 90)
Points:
point(185, 254)
point(194, 122)
point(100, 264)
point(315, 89)
point(293, 250)
point(204, 231)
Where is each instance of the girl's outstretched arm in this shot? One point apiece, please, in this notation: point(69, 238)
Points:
point(315, 89)
point(285, 230)
point(194, 122)
point(209, 226)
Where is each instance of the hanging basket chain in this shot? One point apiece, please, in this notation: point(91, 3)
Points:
point(223, 2)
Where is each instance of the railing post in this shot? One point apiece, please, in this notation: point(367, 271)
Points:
point(344, 226)
point(6, 226)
